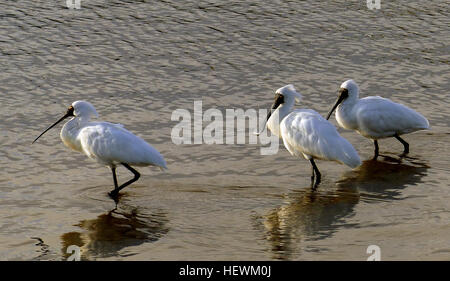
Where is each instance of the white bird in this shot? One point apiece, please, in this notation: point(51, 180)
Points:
point(375, 117)
point(306, 133)
point(107, 143)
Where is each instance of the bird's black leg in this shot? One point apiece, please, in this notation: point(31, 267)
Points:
point(316, 172)
point(375, 142)
point(117, 189)
point(405, 144)
point(113, 169)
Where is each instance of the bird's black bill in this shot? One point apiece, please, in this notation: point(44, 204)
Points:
point(265, 122)
point(343, 94)
point(68, 114)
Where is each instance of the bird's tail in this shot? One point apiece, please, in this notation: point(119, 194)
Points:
point(162, 164)
point(347, 154)
point(424, 123)
point(163, 168)
point(155, 158)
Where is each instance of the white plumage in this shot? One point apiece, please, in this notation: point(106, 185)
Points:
point(112, 144)
point(107, 143)
point(375, 117)
point(306, 133)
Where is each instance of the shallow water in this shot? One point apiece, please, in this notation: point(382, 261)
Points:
point(138, 61)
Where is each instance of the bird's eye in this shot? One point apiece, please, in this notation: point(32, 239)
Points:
point(70, 110)
point(343, 92)
point(279, 98)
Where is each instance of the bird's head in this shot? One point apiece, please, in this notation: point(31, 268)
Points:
point(284, 95)
point(81, 109)
point(348, 89)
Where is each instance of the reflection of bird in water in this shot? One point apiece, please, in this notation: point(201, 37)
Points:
point(384, 178)
point(109, 233)
point(314, 215)
point(44, 249)
point(307, 214)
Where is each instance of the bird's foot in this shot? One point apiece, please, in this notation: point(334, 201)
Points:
point(403, 156)
point(315, 184)
point(114, 194)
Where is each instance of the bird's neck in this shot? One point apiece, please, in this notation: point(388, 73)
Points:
point(345, 114)
point(277, 116)
point(69, 133)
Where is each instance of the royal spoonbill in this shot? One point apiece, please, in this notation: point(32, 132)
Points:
point(107, 143)
point(306, 133)
point(375, 117)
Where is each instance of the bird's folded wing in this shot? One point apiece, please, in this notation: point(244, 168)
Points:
point(380, 116)
point(110, 143)
point(307, 132)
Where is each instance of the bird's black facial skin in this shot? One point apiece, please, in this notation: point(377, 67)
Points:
point(343, 94)
point(279, 99)
point(69, 113)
